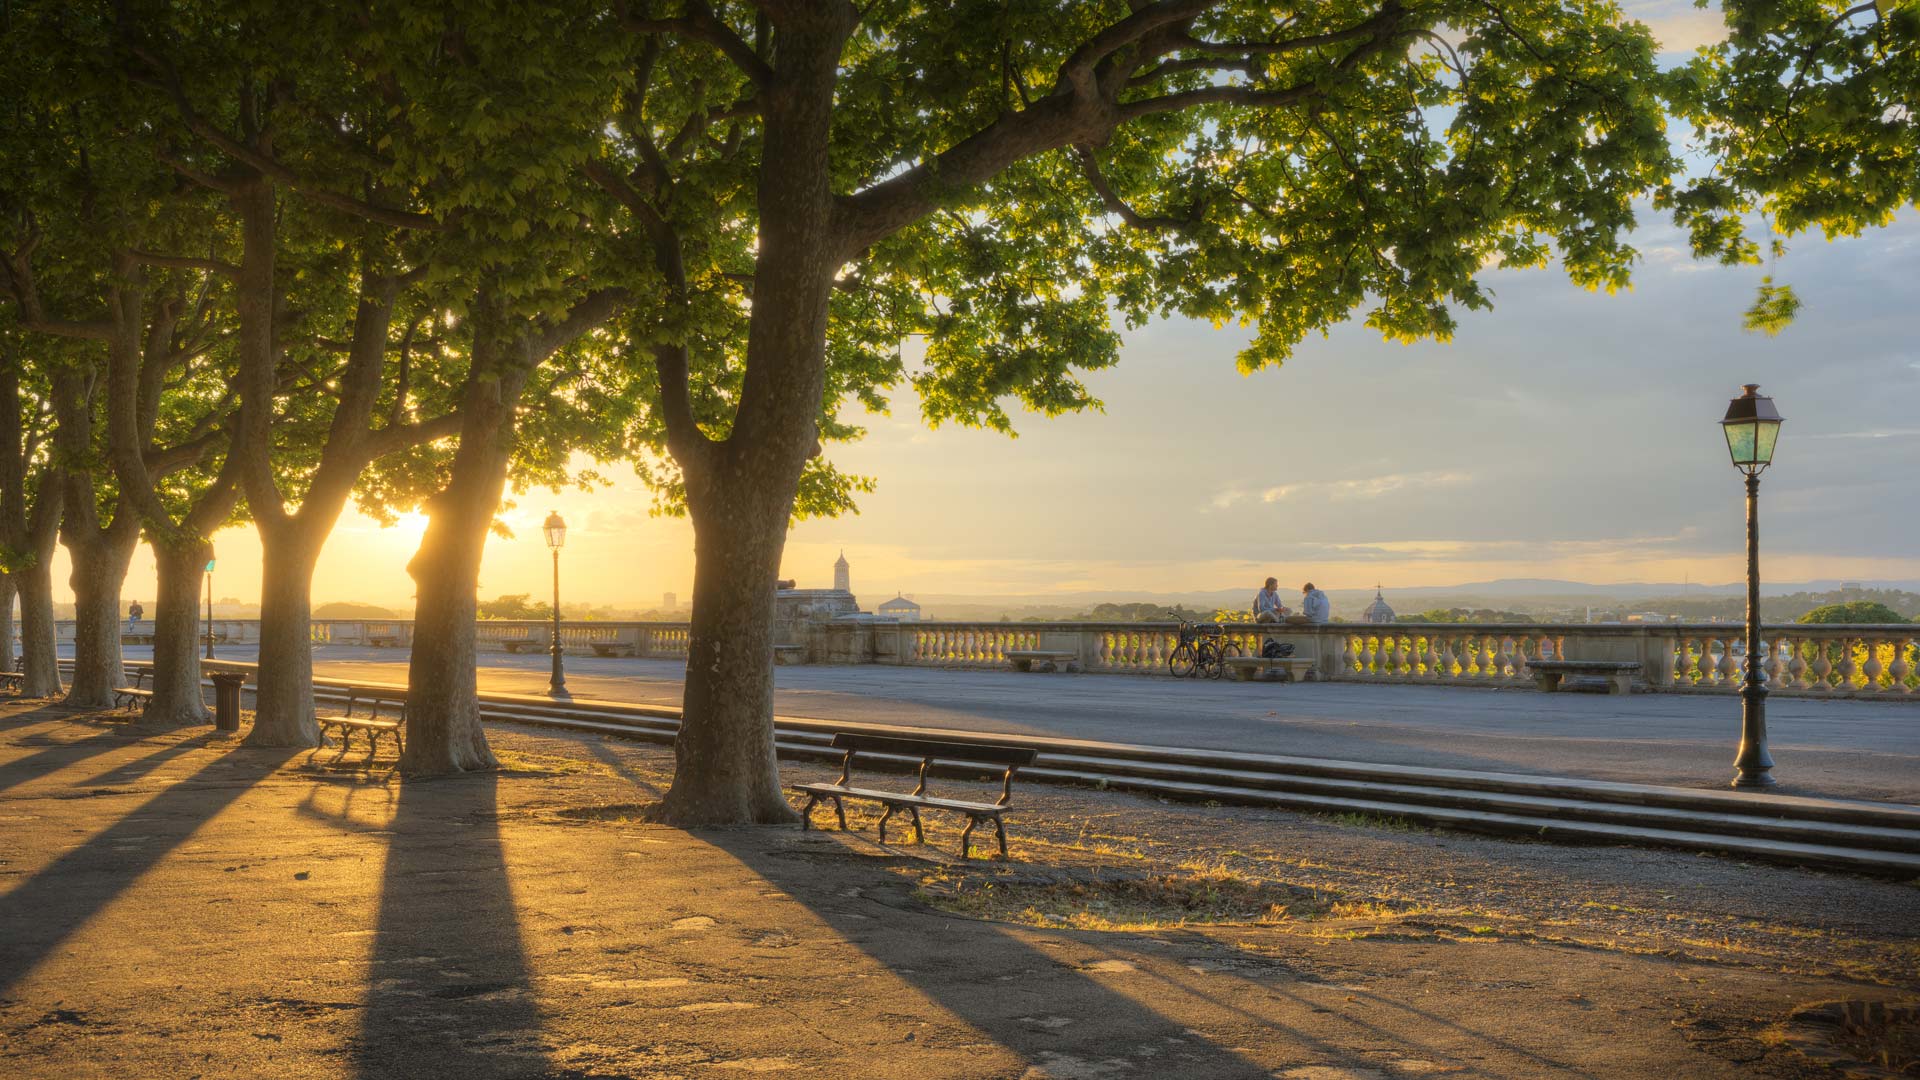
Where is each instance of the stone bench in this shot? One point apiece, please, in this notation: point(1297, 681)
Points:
point(1055, 659)
point(1290, 668)
point(1618, 673)
point(614, 647)
point(520, 645)
point(789, 655)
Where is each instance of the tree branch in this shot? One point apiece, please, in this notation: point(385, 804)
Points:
point(164, 78)
point(701, 24)
point(186, 262)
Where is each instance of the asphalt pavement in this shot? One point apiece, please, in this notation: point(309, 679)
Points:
point(1834, 748)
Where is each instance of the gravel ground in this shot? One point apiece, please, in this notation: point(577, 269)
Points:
point(173, 905)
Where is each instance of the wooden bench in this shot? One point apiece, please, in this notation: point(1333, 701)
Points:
point(789, 655)
point(371, 726)
point(614, 648)
point(1055, 659)
point(126, 697)
point(1290, 668)
point(1618, 673)
point(12, 681)
point(928, 751)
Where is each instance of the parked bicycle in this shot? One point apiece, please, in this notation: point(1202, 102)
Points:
point(1203, 650)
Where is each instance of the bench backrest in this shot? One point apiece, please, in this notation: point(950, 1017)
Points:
point(985, 753)
point(932, 750)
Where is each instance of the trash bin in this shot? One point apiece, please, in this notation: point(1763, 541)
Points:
point(226, 701)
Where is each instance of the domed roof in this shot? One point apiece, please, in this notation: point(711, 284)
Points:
point(1378, 611)
point(899, 603)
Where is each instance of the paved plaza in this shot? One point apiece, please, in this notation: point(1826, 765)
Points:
point(1845, 749)
point(172, 905)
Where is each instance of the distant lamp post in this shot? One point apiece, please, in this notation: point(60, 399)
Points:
point(209, 602)
point(1752, 426)
point(556, 530)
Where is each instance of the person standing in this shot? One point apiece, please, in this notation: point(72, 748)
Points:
point(1314, 604)
point(1266, 603)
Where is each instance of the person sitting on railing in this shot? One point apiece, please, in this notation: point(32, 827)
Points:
point(1266, 603)
point(134, 612)
point(1314, 606)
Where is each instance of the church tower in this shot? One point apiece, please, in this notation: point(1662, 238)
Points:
point(842, 577)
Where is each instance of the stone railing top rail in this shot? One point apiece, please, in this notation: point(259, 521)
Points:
point(1358, 627)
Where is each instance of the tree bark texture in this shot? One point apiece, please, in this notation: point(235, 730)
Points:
point(177, 696)
point(283, 698)
point(740, 493)
point(444, 734)
point(99, 570)
point(7, 589)
point(39, 656)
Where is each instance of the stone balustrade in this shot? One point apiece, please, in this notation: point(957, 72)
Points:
point(1806, 660)
point(1812, 660)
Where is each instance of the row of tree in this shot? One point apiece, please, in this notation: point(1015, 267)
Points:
point(266, 258)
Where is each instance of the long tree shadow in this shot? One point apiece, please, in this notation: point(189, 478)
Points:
point(989, 977)
point(53, 753)
point(137, 769)
point(40, 914)
point(449, 990)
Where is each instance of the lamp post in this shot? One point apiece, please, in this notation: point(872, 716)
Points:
point(1752, 426)
point(556, 530)
point(209, 602)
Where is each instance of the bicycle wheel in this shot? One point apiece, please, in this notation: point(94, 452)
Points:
point(1226, 651)
point(1181, 660)
point(1208, 664)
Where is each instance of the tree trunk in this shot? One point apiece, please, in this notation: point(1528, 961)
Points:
point(443, 703)
point(39, 652)
point(99, 570)
point(725, 771)
point(7, 589)
point(283, 695)
point(177, 698)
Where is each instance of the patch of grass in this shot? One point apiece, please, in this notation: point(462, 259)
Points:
point(1198, 894)
point(1374, 821)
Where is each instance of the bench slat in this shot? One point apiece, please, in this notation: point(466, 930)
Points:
point(984, 753)
point(901, 798)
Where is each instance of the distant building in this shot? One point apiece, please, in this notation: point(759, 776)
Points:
point(1378, 611)
point(669, 602)
point(901, 608)
point(842, 575)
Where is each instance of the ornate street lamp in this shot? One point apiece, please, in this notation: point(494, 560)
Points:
point(556, 530)
point(1752, 426)
point(209, 602)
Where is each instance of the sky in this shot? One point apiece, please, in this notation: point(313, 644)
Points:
point(1565, 434)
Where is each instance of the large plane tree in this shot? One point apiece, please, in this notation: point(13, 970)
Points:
point(1007, 179)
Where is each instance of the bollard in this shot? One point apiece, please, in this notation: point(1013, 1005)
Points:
point(226, 701)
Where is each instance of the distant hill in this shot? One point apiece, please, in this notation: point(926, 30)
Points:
point(346, 609)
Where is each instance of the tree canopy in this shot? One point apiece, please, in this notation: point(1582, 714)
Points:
point(1854, 611)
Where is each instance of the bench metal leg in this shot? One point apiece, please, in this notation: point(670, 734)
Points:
point(966, 837)
point(840, 811)
point(1000, 829)
point(806, 813)
point(919, 837)
point(883, 823)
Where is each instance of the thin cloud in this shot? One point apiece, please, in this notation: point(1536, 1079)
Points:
point(1370, 487)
